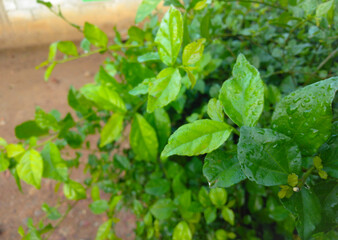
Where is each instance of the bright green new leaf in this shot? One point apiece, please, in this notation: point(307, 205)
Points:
point(99, 206)
point(215, 110)
point(292, 179)
point(67, 47)
point(169, 36)
point(14, 150)
point(29, 129)
point(326, 9)
point(222, 169)
point(210, 214)
point(218, 196)
point(157, 186)
point(74, 191)
point(160, 120)
point(143, 139)
point(104, 230)
point(203, 197)
point(193, 52)
point(49, 71)
point(4, 162)
point(112, 130)
point(164, 89)
point(221, 234)
point(306, 115)
point(54, 166)
point(95, 35)
point(200, 5)
point(104, 97)
point(199, 137)
point(145, 9)
point(162, 209)
point(267, 157)
point(141, 88)
point(228, 215)
point(306, 207)
point(3, 142)
point(45, 120)
point(242, 95)
point(182, 231)
point(30, 168)
point(150, 56)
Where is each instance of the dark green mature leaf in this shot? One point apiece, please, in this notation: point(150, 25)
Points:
point(157, 186)
point(242, 95)
point(54, 166)
point(74, 191)
point(267, 157)
point(145, 9)
point(182, 231)
point(160, 120)
point(328, 152)
point(99, 206)
point(215, 110)
point(29, 129)
point(104, 229)
point(164, 89)
point(199, 137)
point(68, 48)
point(193, 52)
point(222, 169)
point(30, 168)
point(306, 116)
point(143, 139)
point(169, 36)
point(112, 130)
point(104, 97)
point(306, 207)
point(162, 209)
point(95, 35)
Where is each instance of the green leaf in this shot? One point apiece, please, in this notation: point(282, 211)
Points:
point(267, 157)
point(164, 89)
point(242, 95)
point(306, 207)
point(160, 120)
point(210, 214)
point(182, 231)
point(306, 115)
point(49, 71)
point(222, 169)
point(145, 9)
point(157, 186)
point(67, 47)
point(54, 166)
point(95, 35)
point(328, 152)
point(150, 56)
point(143, 139)
point(104, 97)
point(203, 197)
point(218, 196)
point(193, 52)
point(29, 129)
point(105, 78)
point(74, 191)
point(51, 212)
point(45, 120)
point(4, 162)
point(14, 150)
point(162, 209)
point(215, 110)
point(199, 137)
point(141, 88)
point(30, 168)
point(104, 230)
point(326, 9)
point(292, 179)
point(99, 206)
point(47, 4)
point(228, 215)
point(169, 36)
point(95, 193)
point(200, 5)
point(3, 142)
point(112, 130)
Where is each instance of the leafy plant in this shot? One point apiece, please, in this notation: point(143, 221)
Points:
point(217, 148)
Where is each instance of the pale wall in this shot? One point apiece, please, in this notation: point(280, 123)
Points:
point(26, 23)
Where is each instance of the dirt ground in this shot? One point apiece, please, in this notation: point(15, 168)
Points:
point(22, 88)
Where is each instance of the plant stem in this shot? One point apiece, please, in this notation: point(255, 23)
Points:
point(331, 55)
point(235, 131)
point(305, 176)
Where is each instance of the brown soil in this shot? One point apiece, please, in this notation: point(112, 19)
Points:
point(22, 89)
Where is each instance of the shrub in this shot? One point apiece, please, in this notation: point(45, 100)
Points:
point(227, 107)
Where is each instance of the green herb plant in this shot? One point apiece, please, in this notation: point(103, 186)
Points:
point(216, 122)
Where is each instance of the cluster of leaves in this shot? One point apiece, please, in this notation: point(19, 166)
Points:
point(217, 149)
